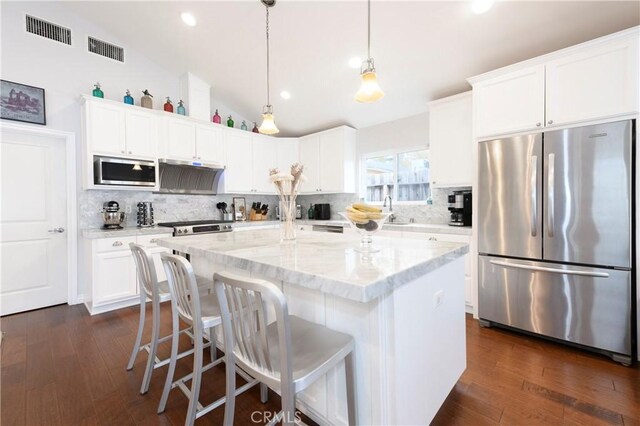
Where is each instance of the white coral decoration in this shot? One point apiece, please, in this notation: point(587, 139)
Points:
point(287, 186)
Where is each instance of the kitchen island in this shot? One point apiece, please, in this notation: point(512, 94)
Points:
point(404, 306)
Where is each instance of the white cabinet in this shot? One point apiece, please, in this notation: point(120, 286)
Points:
point(329, 160)
point(189, 141)
point(120, 130)
point(510, 103)
point(249, 158)
point(109, 272)
point(451, 141)
point(288, 153)
point(593, 81)
point(598, 82)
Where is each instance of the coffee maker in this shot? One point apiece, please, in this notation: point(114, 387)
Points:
point(460, 208)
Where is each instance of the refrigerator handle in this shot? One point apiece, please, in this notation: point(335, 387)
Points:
point(533, 185)
point(552, 270)
point(551, 205)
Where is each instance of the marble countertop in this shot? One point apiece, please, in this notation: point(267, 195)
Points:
point(407, 227)
point(321, 261)
point(127, 231)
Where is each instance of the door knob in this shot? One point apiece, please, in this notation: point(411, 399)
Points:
point(57, 230)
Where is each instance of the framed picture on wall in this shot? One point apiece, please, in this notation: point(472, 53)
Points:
point(20, 102)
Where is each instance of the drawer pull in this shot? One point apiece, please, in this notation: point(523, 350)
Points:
point(433, 239)
point(153, 240)
point(117, 243)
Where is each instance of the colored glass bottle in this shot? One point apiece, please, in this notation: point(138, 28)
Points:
point(181, 108)
point(230, 122)
point(311, 213)
point(147, 100)
point(168, 106)
point(255, 128)
point(128, 99)
point(243, 126)
point(216, 118)
point(97, 92)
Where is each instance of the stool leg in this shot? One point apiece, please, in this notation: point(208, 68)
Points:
point(155, 335)
point(264, 393)
point(136, 345)
point(197, 376)
point(288, 407)
point(213, 348)
point(174, 356)
point(351, 388)
point(230, 402)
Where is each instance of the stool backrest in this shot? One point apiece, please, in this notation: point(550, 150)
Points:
point(147, 277)
point(243, 305)
point(183, 287)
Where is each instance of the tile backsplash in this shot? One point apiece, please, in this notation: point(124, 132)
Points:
point(166, 207)
point(435, 213)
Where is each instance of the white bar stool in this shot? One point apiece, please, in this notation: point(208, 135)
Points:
point(201, 312)
point(287, 355)
point(157, 293)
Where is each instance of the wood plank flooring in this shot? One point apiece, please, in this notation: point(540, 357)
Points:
point(60, 366)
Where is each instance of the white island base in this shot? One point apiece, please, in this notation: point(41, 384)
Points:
point(410, 346)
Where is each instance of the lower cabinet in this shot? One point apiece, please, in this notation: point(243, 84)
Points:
point(109, 272)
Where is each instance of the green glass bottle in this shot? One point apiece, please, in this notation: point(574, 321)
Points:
point(311, 213)
point(97, 92)
point(230, 122)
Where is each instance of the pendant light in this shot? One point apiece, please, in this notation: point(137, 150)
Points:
point(369, 90)
point(268, 126)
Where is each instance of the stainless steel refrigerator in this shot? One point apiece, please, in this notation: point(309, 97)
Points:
point(555, 236)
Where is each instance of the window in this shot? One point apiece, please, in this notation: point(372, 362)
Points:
point(402, 175)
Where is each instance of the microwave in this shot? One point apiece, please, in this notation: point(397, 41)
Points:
point(123, 171)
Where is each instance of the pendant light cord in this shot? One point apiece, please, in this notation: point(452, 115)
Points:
point(268, 89)
point(368, 29)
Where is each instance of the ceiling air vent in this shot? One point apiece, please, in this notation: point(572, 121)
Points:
point(48, 30)
point(105, 49)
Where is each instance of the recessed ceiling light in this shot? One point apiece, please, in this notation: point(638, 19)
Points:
point(481, 6)
point(188, 19)
point(355, 62)
point(285, 95)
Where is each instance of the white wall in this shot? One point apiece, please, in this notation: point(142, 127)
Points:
point(406, 132)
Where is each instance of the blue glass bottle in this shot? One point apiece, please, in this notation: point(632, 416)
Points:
point(128, 99)
point(97, 92)
point(243, 126)
point(181, 109)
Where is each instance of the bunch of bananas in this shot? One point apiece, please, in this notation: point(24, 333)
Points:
point(364, 215)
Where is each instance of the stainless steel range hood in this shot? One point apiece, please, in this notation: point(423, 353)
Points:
point(189, 177)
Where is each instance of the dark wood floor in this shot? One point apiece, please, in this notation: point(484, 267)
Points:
point(61, 366)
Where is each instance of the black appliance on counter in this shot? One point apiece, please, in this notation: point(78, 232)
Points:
point(460, 208)
point(322, 211)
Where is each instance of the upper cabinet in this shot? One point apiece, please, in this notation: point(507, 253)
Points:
point(593, 81)
point(451, 141)
point(188, 141)
point(250, 156)
point(288, 153)
point(329, 160)
point(120, 131)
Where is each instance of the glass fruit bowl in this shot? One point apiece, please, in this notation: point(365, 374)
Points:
point(366, 223)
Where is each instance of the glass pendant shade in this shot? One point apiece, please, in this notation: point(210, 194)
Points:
point(268, 126)
point(369, 90)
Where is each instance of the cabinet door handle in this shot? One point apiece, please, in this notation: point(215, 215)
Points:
point(129, 152)
point(56, 230)
point(122, 152)
point(153, 240)
point(550, 122)
point(538, 124)
point(117, 243)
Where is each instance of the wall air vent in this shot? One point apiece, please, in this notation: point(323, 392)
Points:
point(105, 49)
point(48, 30)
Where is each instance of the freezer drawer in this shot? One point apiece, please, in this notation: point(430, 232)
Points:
point(588, 306)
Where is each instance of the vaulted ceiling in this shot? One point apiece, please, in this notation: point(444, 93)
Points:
point(423, 50)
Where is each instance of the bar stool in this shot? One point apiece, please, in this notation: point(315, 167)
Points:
point(157, 293)
point(287, 355)
point(201, 312)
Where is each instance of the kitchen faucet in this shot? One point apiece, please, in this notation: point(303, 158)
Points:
point(392, 216)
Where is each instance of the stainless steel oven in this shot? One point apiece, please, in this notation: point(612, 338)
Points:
point(123, 171)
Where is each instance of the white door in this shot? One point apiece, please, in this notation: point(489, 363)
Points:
point(33, 218)
point(331, 170)
point(210, 144)
point(106, 128)
point(238, 174)
point(181, 142)
point(309, 151)
point(265, 157)
point(141, 134)
point(510, 103)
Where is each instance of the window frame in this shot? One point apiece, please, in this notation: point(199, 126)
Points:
point(395, 153)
